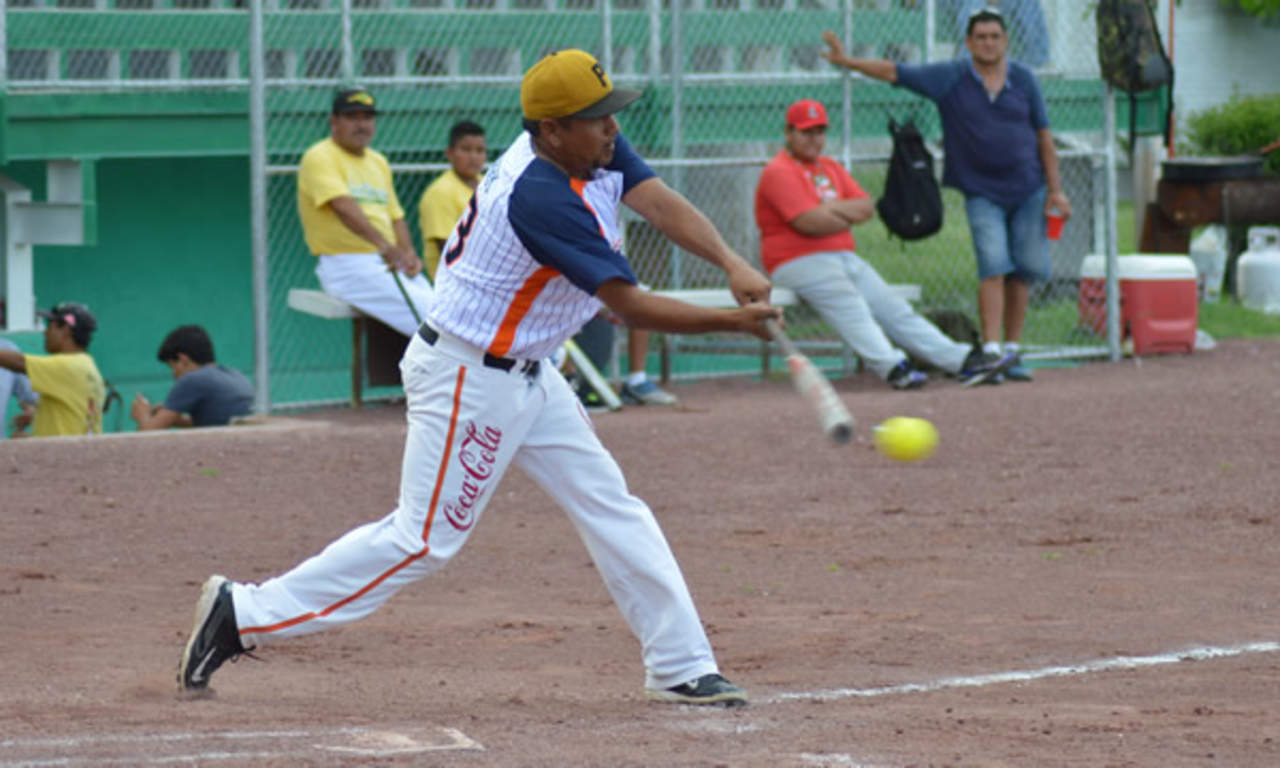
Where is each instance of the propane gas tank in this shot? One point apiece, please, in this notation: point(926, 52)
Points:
point(1258, 271)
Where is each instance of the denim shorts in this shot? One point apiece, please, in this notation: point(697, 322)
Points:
point(1010, 241)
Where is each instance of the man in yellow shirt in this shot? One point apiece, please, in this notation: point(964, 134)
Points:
point(445, 199)
point(71, 389)
point(353, 222)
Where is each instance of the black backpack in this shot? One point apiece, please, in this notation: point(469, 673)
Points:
point(911, 206)
point(1130, 54)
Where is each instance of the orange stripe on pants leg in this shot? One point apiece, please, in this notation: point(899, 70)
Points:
point(448, 451)
point(435, 496)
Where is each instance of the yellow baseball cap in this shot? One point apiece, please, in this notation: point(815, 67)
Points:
point(570, 83)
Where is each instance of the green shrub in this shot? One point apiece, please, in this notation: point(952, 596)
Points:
point(1241, 126)
point(1267, 10)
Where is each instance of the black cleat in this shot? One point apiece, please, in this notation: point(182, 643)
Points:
point(904, 376)
point(710, 689)
point(214, 637)
point(983, 368)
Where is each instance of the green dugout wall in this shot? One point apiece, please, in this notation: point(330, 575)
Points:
point(172, 248)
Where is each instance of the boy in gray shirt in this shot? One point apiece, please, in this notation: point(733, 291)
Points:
point(204, 394)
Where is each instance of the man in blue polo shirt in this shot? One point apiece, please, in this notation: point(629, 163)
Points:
point(1000, 154)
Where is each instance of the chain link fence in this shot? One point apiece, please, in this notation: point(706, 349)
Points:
point(717, 76)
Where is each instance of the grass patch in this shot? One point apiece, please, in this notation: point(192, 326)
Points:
point(1228, 320)
point(1126, 238)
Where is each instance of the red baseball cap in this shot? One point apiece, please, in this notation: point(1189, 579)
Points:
point(806, 114)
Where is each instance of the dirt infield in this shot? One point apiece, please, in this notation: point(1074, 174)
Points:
point(1085, 574)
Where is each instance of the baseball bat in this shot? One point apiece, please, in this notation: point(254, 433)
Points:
point(835, 419)
point(396, 276)
point(592, 375)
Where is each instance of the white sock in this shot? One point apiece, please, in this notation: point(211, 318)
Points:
point(991, 348)
point(636, 378)
point(1011, 346)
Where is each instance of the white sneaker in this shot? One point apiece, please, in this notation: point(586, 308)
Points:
point(647, 393)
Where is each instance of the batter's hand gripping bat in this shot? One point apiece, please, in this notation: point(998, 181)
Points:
point(836, 422)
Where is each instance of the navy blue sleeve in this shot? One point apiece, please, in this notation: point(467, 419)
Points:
point(1027, 81)
point(632, 167)
point(554, 224)
point(932, 81)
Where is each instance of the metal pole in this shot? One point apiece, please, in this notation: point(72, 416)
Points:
point(4, 47)
point(606, 35)
point(1113, 259)
point(677, 124)
point(846, 90)
point(930, 28)
point(655, 40)
point(258, 209)
point(348, 50)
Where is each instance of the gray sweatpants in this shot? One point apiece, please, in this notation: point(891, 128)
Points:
point(852, 297)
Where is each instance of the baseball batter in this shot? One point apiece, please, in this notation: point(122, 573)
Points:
point(530, 262)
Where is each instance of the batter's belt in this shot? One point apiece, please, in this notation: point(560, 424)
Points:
point(460, 348)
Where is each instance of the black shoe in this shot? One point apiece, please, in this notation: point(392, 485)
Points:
point(984, 368)
point(710, 689)
point(214, 636)
point(903, 376)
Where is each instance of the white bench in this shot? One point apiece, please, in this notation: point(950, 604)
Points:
point(721, 298)
point(321, 304)
point(781, 297)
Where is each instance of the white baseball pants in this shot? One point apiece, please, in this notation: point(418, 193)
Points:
point(850, 295)
point(467, 423)
point(363, 281)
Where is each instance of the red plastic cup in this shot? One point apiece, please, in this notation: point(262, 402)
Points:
point(1053, 226)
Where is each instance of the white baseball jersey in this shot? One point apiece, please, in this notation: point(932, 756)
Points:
point(519, 273)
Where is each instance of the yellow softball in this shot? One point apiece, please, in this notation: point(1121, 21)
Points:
point(905, 438)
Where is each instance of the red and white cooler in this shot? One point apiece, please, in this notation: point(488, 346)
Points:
point(1158, 300)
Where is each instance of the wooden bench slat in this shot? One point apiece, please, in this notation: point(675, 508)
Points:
point(320, 304)
point(782, 297)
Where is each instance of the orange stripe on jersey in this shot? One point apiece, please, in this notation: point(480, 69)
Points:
point(316, 614)
point(580, 187)
point(426, 529)
point(519, 308)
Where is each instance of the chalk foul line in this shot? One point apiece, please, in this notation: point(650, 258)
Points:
point(1206, 653)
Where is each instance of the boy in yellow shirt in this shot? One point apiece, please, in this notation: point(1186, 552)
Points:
point(71, 389)
point(445, 199)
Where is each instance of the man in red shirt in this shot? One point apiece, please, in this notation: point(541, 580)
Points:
point(805, 204)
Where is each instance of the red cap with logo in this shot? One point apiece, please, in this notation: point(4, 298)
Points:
point(806, 114)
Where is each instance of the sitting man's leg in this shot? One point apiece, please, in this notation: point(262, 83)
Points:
point(638, 389)
point(914, 333)
point(363, 281)
point(824, 282)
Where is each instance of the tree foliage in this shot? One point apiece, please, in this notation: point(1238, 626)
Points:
point(1241, 126)
point(1262, 9)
